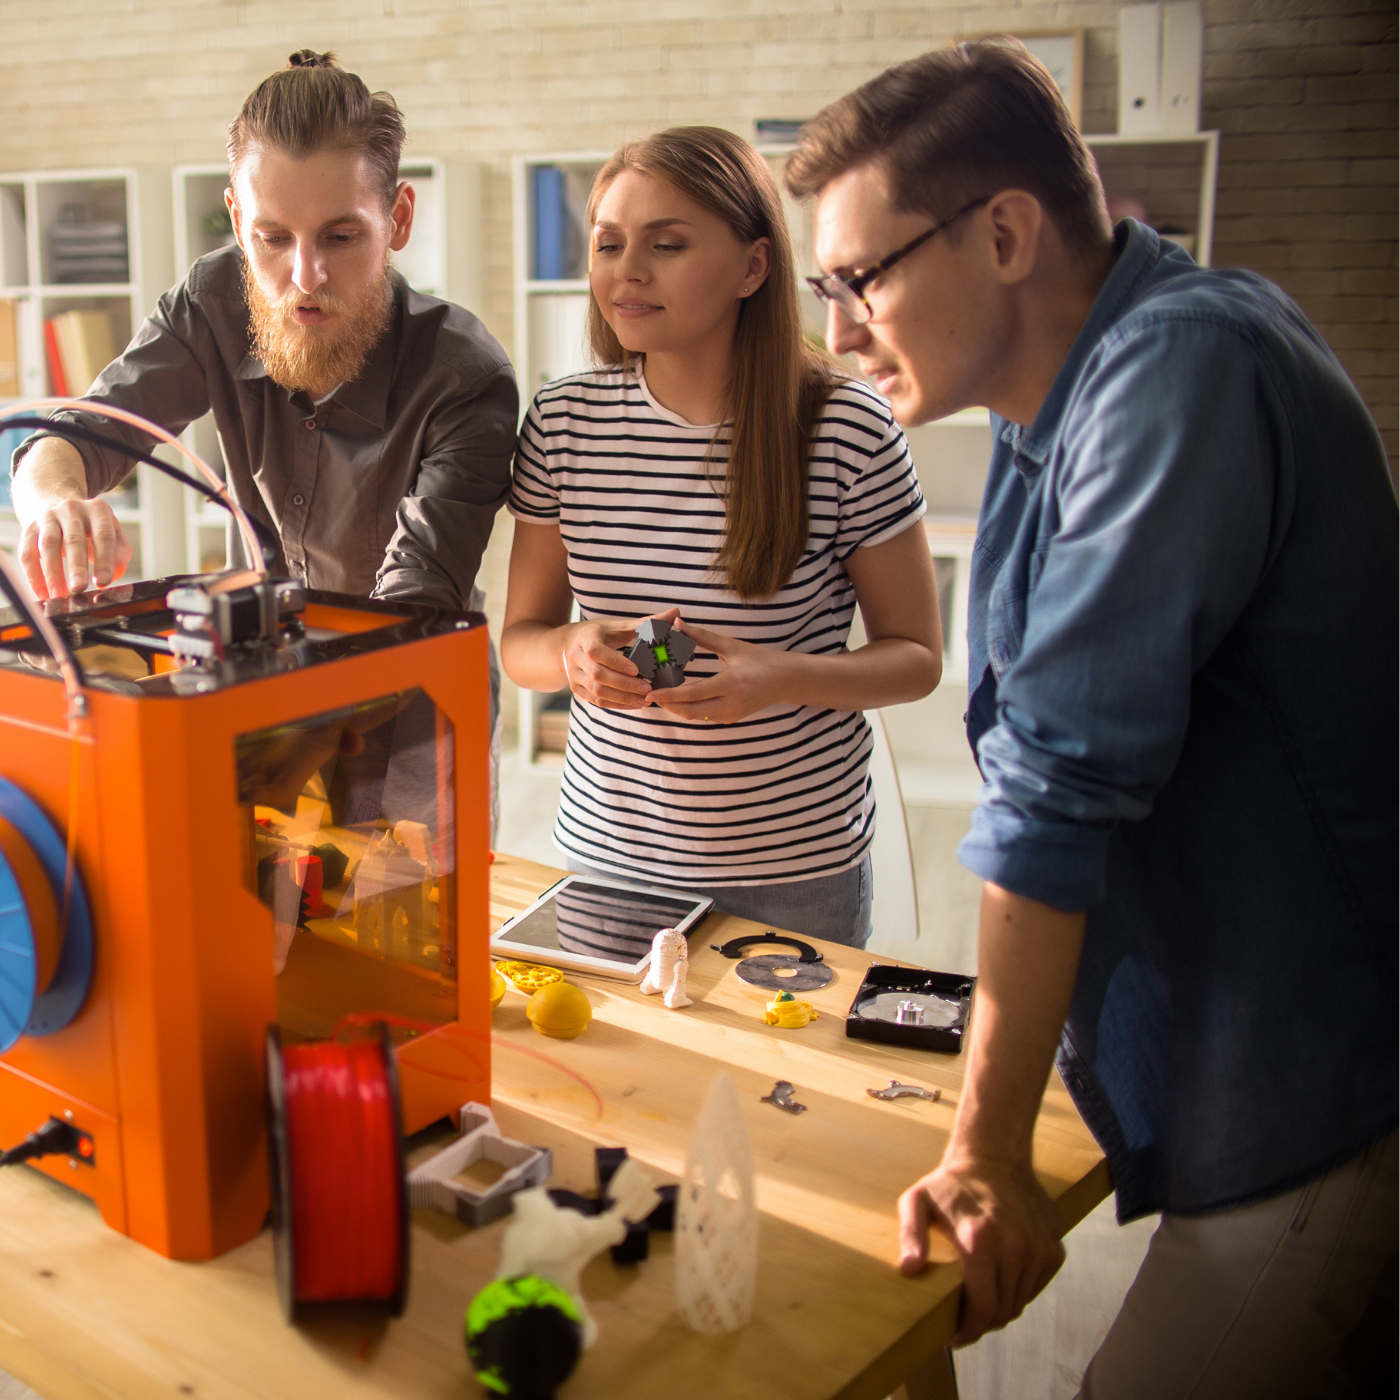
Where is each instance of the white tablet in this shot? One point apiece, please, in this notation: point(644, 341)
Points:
point(597, 925)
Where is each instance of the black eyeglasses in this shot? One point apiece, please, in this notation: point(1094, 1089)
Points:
point(849, 292)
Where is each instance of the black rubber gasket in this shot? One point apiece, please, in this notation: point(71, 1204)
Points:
point(735, 947)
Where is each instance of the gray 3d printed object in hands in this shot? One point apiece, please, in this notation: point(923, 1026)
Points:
point(661, 654)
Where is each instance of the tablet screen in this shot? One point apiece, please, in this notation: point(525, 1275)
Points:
point(600, 921)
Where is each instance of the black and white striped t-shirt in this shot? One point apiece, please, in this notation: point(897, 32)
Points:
point(782, 795)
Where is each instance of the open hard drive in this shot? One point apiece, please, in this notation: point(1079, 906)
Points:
point(909, 1006)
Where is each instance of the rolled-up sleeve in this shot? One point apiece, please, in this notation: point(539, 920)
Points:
point(157, 377)
point(1166, 494)
point(442, 526)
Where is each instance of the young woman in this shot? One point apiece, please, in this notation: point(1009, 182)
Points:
point(719, 472)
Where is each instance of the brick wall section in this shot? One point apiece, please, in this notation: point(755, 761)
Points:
point(1304, 90)
point(1305, 93)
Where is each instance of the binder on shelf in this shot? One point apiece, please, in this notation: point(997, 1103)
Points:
point(558, 215)
point(14, 271)
point(551, 218)
point(9, 349)
point(86, 346)
point(1183, 39)
point(80, 345)
point(1139, 69)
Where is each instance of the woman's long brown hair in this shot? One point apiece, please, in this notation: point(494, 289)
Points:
point(780, 382)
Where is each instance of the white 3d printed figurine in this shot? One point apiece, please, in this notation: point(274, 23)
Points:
point(670, 962)
point(556, 1243)
point(716, 1218)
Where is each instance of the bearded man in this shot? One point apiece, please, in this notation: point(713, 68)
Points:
point(372, 427)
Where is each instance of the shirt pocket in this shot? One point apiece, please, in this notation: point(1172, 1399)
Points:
point(1036, 566)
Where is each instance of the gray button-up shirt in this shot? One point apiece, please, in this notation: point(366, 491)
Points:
point(390, 485)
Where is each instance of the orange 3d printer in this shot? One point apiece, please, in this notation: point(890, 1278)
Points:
point(228, 803)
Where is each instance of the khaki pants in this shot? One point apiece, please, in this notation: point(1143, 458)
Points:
point(1293, 1296)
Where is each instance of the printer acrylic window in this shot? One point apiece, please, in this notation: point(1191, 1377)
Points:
point(349, 831)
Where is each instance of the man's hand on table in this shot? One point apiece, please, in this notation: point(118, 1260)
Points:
point(1005, 1229)
point(69, 542)
point(984, 1193)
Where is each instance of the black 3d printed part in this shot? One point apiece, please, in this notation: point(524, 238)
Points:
point(736, 946)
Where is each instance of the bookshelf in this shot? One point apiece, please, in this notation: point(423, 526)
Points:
point(88, 241)
point(448, 198)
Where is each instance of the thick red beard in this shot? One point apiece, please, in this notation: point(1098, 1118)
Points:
point(315, 359)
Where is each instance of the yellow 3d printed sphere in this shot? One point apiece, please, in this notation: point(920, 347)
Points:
point(498, 988)
point(559, 1010)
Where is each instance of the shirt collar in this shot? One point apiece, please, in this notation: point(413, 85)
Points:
point(367, 396)
point(1138, 250)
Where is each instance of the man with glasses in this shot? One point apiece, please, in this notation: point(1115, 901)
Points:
point(370, 426)
point(1182, 633)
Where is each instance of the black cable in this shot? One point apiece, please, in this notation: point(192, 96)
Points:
point(267, 538)
point(22, 606)
point(55, 1138)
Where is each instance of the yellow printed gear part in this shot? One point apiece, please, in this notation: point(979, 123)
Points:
point(498, 988)
point(559, 1010)
point(528, 977)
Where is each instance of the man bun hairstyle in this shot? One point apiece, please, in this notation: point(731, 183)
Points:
point(958, 123)
point(312, 105)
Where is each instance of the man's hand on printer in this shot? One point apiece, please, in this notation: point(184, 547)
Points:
point(69, 543)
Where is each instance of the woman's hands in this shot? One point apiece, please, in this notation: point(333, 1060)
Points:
point(750, 678)
point(596, 669)
point(542, 650)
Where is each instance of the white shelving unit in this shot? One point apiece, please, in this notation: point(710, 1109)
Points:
point(197, 194)
point(1173, 173)
point(31, 203)
point(442, 259)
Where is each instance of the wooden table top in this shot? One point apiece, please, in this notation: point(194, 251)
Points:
point(85, 1312)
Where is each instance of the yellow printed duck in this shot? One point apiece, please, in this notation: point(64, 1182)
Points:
point(787, 1013)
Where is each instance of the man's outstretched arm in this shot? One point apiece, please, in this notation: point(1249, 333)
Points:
point(983, 1192)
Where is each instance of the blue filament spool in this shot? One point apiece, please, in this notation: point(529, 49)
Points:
point(24, 1009)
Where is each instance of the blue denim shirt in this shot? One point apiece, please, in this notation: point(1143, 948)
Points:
point(1182, 634)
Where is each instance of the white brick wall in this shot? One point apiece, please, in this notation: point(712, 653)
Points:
point(1304, 90)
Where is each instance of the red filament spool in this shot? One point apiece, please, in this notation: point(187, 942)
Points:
point(339, 1189)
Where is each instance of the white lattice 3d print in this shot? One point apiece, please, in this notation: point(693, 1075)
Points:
point(716, 1218)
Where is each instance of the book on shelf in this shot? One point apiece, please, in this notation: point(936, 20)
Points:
point(10, 438)
point(559, 196)
point(80, 346)
point(9, 349)
point(58, 381)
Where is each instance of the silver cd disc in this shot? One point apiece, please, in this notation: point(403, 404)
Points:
point(912, 1009)
point(780, 974)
